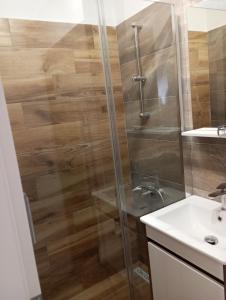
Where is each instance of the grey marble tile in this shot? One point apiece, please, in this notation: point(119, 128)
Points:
point(160, 70)
point(157, 158)
point(156, 32)
point(129, 87)
point(217, 69)
point(217, 43)
point(218, 107)
point(164, 113)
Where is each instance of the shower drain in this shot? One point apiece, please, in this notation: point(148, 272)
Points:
point(212, 240)
point(142, 274)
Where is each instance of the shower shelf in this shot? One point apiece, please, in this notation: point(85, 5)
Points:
point(210, 132)
point(153, 131)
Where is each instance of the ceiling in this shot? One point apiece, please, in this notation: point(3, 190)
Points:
point(214, 4)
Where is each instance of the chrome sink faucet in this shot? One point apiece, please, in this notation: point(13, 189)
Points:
point(221, 130)
point(221, 192)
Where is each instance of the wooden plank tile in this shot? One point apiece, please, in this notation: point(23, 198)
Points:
point(54, 228)
point(16, 115)
point(80, 85)
point(84, 239)
point(60, 111)
point(24, 62)
point(48, 137)
point(55, 91)
point(22, 89)
point(5, 37)
point(94, 53)
point(200, 84)
point(54, 160)
point(38, 34)
point(208, 166)
point(90, 66)
point(43, 266)
point(72, 196)
point(106, 289)
point(64, 110)
point(67, 288)
point(84, 218)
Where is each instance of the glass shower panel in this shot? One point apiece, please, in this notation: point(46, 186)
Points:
point(149, 86)
point(54, 84)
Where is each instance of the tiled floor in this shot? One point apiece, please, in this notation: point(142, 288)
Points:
point(113, 287)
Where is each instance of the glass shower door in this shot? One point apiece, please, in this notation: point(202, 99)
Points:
point(53, 77)
point(93, 98)
point(153, 178)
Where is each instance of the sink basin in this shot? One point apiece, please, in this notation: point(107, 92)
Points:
point(183, 227)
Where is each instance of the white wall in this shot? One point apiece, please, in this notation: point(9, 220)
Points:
point(215, 19)
point(197, 19)
point(214, 4)
point(71, 11)
point(201, 19)
point(123, 9)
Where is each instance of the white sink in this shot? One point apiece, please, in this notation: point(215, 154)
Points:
point(204, 132)
point(182, 228)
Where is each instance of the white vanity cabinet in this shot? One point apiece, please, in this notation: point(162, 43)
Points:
point(173, 279)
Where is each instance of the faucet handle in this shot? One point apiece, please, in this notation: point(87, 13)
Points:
point(215, 194)
point(146, 193)
point(137, 189)
point(221, 190)
point(222, 186)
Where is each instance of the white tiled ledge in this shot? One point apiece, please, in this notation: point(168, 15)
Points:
point(203, 132)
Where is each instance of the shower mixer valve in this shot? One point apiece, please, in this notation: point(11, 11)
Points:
point(150, 189)
point(139, 78)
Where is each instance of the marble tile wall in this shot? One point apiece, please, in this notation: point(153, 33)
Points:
point(153, 143)
point(180, 13)
point(155, 150)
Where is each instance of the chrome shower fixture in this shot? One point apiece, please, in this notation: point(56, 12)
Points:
point(139, 76)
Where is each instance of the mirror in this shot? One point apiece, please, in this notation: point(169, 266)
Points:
point(207, 58)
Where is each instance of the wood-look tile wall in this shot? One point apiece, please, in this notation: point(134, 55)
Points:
point(200, 81)
point(206, 156)
point(54, 86)
point(217, 59)
point(194, 157)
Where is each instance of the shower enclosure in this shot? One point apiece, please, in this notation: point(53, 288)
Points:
point(92, 93)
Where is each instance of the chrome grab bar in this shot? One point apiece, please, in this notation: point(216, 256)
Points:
point(30, 219)
point(139, 77)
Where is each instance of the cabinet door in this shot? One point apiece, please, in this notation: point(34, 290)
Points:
point(172, 279)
